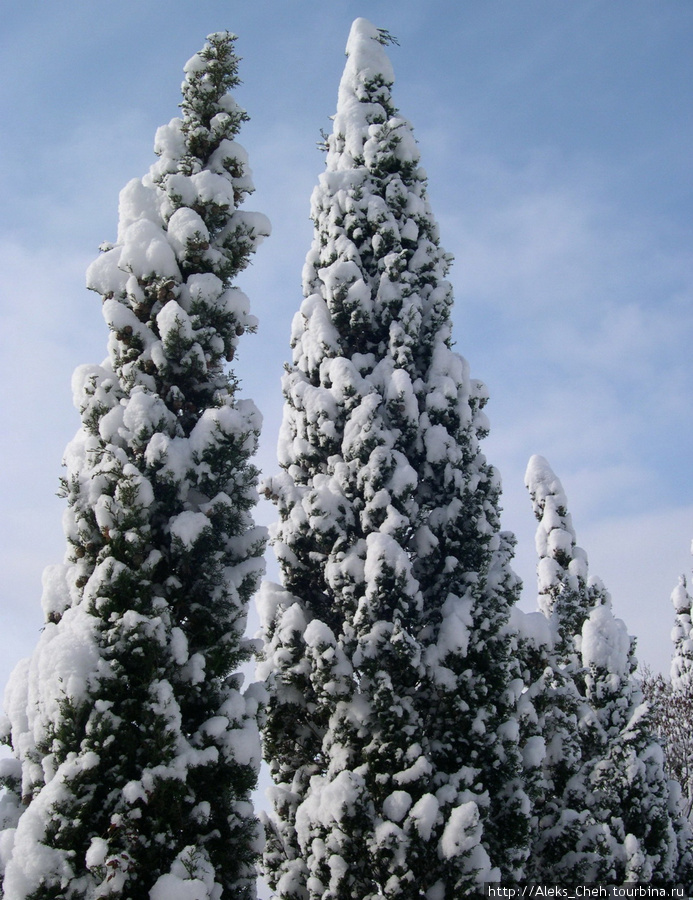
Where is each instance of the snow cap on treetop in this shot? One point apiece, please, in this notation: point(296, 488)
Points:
point(555, 533)
point(366, 57)
point(364, 102)
point(541, 482)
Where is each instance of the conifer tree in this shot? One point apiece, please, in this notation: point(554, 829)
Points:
point(671, 700)
point(134, 747)
point(676, 713)
point(628, 787)
point(567, 843)
point(682, 636)
point(607, 813)
point(672, 715)
point(562, 573)
point(391, 727)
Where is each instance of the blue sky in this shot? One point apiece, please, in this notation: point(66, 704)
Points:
point(557, 139)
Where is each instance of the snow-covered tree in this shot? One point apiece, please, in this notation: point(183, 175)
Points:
point(608, 811)
point(562, 575)
point(682, 636)
point(672, 717)
point(391, 732)
point(671, 701)
point(568, 843)
point(629, 789)
point(134, 747)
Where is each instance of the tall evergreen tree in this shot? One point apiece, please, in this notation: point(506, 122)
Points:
point(671, 700)
point(562, 572)
point(567, 842)
point(607, 813)
point(391, 730)
point(672, 715)
point(682, 637)
point(135, 749)
point(628, 787)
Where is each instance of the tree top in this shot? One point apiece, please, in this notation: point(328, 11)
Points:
point(366, 57)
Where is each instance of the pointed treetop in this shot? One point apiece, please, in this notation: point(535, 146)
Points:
point(364, 94)
point(210, 113)
point(560, 560)
point(542, 483)
point(364, 48)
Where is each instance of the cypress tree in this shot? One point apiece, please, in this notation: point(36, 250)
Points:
point(682, 636)
point(391, 726)
point(628, 787)
point(568, 844)
point(675, 711)
point(134, 747)
point(607, 812)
